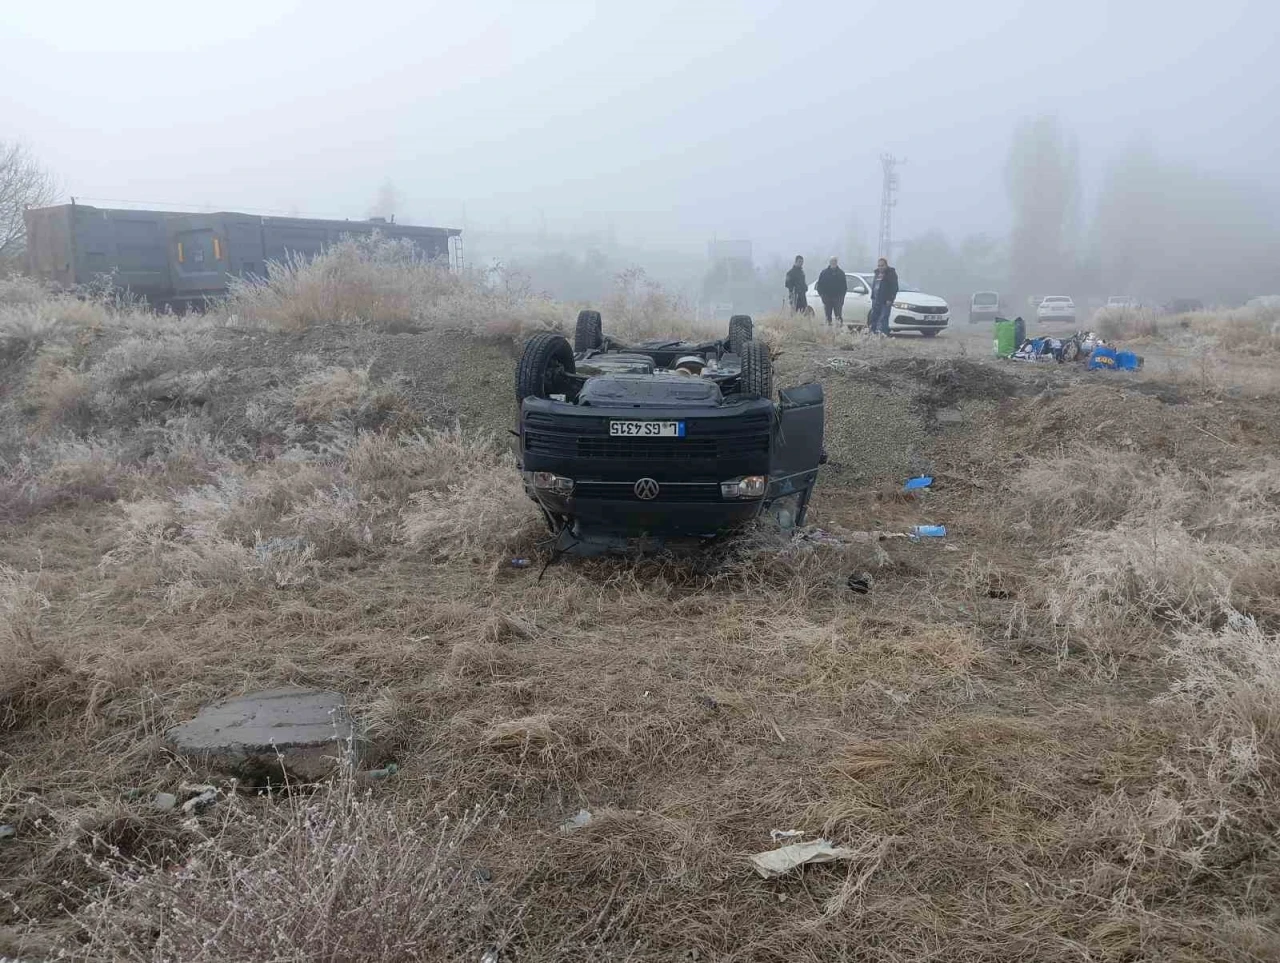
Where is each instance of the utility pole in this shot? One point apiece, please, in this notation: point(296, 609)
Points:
point(888, 201)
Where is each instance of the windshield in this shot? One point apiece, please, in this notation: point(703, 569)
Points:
point(1056, 300)
point(986, 298)
point(904, 286)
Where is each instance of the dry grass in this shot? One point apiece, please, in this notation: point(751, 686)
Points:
point(386, 283)
point(1240, 331)
point(1057, 742)
point(336, 876)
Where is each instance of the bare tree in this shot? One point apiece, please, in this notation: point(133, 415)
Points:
point(386, 202)
point(23, 183)
point(1165, 231)
point(1043, 181)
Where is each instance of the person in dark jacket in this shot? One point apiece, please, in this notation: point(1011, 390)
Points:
point(884, 291)
point(832, 286)
point(797, 287)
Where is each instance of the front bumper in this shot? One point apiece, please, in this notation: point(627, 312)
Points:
point(903, 320)
point(1057, 316)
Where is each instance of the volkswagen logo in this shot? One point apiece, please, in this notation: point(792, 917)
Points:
point(646, 489)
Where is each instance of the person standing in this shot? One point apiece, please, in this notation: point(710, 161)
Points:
point(884, 291)
point(832, 286)
point(797, 287)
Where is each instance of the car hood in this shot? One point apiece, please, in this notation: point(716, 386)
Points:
point(922, 299)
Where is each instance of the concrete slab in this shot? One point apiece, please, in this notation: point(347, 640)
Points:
point(259, 737)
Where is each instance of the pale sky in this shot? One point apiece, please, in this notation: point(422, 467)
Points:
point(673, 122)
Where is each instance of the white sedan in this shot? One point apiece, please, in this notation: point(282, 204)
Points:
point(1057, 307)
point(912, 311)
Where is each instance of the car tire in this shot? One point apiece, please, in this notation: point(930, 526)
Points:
point(741, 331)
point(756, 380)
point(546, 359)
point(589, 333)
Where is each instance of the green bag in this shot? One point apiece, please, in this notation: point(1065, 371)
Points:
point(1006, 340)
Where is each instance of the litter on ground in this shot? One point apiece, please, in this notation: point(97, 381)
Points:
point(579, 820)
point(860, 583)
point(928, 531)
point(777, 862)
point(916, 484)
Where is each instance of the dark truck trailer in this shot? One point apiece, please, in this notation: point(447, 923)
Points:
point(172, 257)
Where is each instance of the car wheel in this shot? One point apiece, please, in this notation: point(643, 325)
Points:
point(545, 361)
point(589, 334)
point(740, 332)
point(756, 379)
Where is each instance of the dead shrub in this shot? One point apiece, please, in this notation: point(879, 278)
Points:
point(73, 473)
point(1245, 331)
point(58, 395)
point(334, 522)
point(539, 732)
point(338, 875)
point(1095, 488)
point(1234, 674)
point(388, 283)
point(27, 661)
point(476, 505)
point(1125, 324)
point(320, 396)
point(1149, 568)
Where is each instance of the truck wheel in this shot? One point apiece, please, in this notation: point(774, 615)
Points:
point(740, 332)
point(757, 370)
point(545, 361)
point(589, 334)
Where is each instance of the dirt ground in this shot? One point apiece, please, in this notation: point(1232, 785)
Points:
point(1026, 734)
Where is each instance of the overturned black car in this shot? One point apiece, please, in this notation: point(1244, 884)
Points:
point(662, 439)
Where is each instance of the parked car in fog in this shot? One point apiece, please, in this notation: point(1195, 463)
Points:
point(1057, 307)
point(1265, 301)
point(912, 311)
point(1183, 306)
point(984, 306)
point(1122, 302)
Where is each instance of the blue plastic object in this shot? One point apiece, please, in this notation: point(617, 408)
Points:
point(929, 531)
point(915, 484)
point(1102, 357)
point(1128, 361)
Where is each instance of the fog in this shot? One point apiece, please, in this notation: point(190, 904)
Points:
point(1105, 147)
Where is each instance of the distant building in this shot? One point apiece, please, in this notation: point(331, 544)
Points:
point(169, 256)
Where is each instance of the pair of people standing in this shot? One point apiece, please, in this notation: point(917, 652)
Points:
point(833, 285)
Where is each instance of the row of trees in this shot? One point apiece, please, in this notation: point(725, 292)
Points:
point(1159, 230)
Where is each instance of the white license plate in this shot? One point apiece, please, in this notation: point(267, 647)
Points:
point(647, 429)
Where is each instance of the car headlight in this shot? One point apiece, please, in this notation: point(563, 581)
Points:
point(550, 482)
point(752, 486)
point(903, 305)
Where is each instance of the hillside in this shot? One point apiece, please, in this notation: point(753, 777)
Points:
point(1052, 735)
